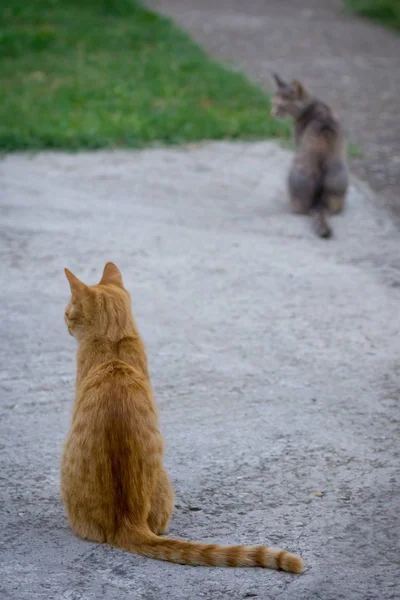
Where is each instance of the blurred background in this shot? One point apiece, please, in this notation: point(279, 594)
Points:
point(116, 73)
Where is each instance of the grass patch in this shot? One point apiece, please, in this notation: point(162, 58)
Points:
point(354, 151)
point(110, 73)
point(386, 12)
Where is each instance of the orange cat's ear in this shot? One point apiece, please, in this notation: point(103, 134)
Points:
point(299, 89)
point(111, 276)
point(77, 286)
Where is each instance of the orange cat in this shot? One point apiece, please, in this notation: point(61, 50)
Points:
point(113, 482)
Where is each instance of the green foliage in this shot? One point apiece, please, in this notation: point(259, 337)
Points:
point(384, 11)
point(110, 73)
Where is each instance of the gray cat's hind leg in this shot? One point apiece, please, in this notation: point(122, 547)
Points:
point(336, 182)
point(302, 189)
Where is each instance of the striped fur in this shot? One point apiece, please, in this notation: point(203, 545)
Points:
point(213, 555)
point(113, 481)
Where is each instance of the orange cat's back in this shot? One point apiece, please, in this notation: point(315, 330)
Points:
point(113, 421)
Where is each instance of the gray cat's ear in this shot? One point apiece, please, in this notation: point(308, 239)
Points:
point(77, 286)
point(298, 87)
point(279, 81)
point(111, 276)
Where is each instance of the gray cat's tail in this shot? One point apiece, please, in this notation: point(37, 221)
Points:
point(319, 212)
point(319, 215)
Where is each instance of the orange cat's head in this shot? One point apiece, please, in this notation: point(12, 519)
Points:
point(102, 310)
point(289, 98)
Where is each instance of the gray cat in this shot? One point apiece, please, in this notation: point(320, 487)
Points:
point(318, 178)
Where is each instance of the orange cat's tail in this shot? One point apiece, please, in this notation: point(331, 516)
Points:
point(212, 555)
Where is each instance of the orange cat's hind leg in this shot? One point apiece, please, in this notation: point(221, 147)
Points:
point(87, 530)
point(162, 505)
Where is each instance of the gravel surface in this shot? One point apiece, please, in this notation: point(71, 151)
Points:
point(349, 62)
point(274, 357)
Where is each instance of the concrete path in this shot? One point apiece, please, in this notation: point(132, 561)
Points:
point(274, 356)
point(350, 62)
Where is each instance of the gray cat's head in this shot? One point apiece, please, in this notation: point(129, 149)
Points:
point(289, 98)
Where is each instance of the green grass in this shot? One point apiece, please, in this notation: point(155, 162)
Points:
point(110, 73)
point(354, 151)
point(386, 12)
